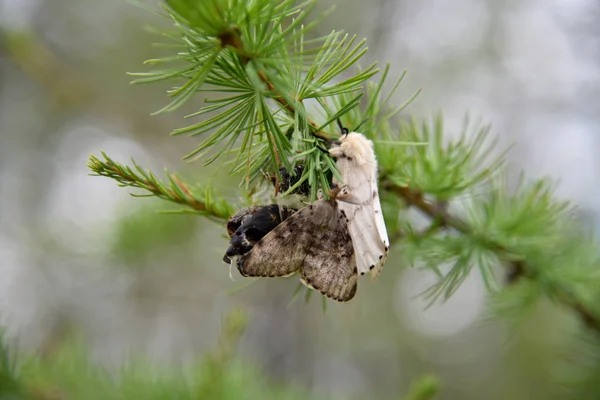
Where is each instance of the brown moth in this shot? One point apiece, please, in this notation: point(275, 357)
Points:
point(314, 242)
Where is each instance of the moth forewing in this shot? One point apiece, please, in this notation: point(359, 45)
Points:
point(381, 230)
point(359, 199)
point(279, 253)
point(330, 265)
point(315, 242)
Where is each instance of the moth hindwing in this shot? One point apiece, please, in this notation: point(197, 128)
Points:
point(359, 199)
point(314, 242)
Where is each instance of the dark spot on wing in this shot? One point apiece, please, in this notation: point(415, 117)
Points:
point(362, 273)
point(374, 194)
point(371, 267)
point(381, 256)
point(280, 236)
point(386, 248)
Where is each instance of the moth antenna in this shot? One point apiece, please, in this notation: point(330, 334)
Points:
point(342, 128)
point(322, 149)
point(361, 124)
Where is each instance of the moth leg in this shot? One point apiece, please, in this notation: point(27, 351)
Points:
point(230, 274)
point(346, 195)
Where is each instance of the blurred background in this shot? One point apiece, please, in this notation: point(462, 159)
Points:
point(78, 253)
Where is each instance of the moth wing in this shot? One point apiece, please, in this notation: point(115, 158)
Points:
point(379, 224)
point(330, 264)
point(370, 251)
point(282, 251)
point(377, 206)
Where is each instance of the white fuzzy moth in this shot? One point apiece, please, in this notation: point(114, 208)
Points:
point(359, 200)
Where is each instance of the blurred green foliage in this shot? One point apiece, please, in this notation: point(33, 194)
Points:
point(68, 373)
point(278, 97)
point(143, 235)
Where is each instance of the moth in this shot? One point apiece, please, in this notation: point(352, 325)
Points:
point(250, 225)
point(359, 200)
point(315, 243)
